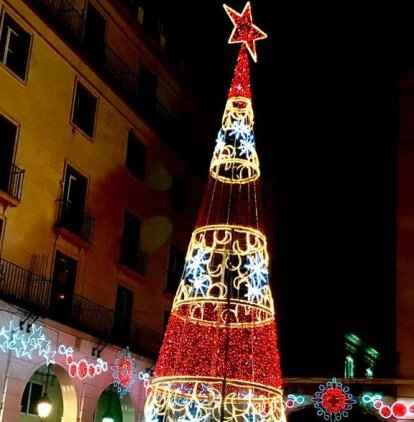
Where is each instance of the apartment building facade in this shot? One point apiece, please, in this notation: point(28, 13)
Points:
point(97, 203)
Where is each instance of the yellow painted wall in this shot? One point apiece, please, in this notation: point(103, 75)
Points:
point(47, 141)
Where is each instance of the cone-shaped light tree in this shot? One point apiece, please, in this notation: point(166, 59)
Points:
point(219, 360)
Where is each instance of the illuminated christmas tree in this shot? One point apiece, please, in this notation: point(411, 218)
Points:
point(219, 360)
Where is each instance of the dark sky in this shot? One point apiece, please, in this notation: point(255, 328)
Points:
point(325, 101)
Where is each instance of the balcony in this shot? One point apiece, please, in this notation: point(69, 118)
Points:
point(34, 293)
point(80, 224)
point(11, 185)
point(69, 23)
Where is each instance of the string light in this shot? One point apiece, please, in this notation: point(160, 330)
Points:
point(333, 401)
point(24, 344)
point(82, 369)
point(124, 372)
point(397, 409)
point(219, 360)
point(293, 400)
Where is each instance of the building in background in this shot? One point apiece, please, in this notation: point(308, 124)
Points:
point(405, 232)
point(97, 201)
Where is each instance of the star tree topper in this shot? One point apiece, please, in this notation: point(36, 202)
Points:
point(244, 30)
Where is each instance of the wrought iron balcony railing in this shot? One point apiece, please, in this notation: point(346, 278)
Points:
point(12, 182)
point(34, 293)
point(81, 224)
point(70, 24)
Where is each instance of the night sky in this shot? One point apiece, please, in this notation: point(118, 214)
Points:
point(325, 102)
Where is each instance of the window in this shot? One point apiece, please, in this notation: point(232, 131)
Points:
point(94, 36)
point(84, 110)
point(136, 156)
point(147, 89)
point(72, 214)
point(8, 133)
point(14, 46)
point(123, 313)
point(131, 255)
point(175, 269)
point(1, 233)
point(32, 393)
point(63, 285)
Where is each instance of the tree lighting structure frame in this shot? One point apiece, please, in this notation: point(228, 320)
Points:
point(219, 360)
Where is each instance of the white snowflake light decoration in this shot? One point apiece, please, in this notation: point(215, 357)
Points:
point(240, 130)
point(196, 272)
point(23, 345)
point(247, 146)
point(220, 142)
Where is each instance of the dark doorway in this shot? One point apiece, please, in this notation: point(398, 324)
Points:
point(73, 203)
point(63, 286)
point(123, 313)
point(8, 133)
point(94, 36)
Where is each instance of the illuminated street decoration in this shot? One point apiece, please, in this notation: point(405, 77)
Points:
point(24, 344)
point(333, 401)
point(124, 372)
point(82, 369)
point(349, 367)
point(397, 410)
point(145, 378)
point(219, 360)
point(244, 30)
point(293, 401)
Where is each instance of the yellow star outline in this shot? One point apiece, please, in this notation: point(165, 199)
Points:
point(244, 30)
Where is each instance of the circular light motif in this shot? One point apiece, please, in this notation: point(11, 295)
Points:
point(82, 369)
point(124, 372)
point(293, 400)
point(399, 409)
point(333, 401)
point(385, 412)
point(378, 404)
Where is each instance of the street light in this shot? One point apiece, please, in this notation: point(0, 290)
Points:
point(107, 417)
point(44, 405)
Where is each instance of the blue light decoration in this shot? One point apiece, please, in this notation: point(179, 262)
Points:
point(293, 401)
point(333, 401)
point(124, 372)
point(23, 344)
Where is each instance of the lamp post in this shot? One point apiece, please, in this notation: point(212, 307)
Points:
point(44, 405)
point(107, 417)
